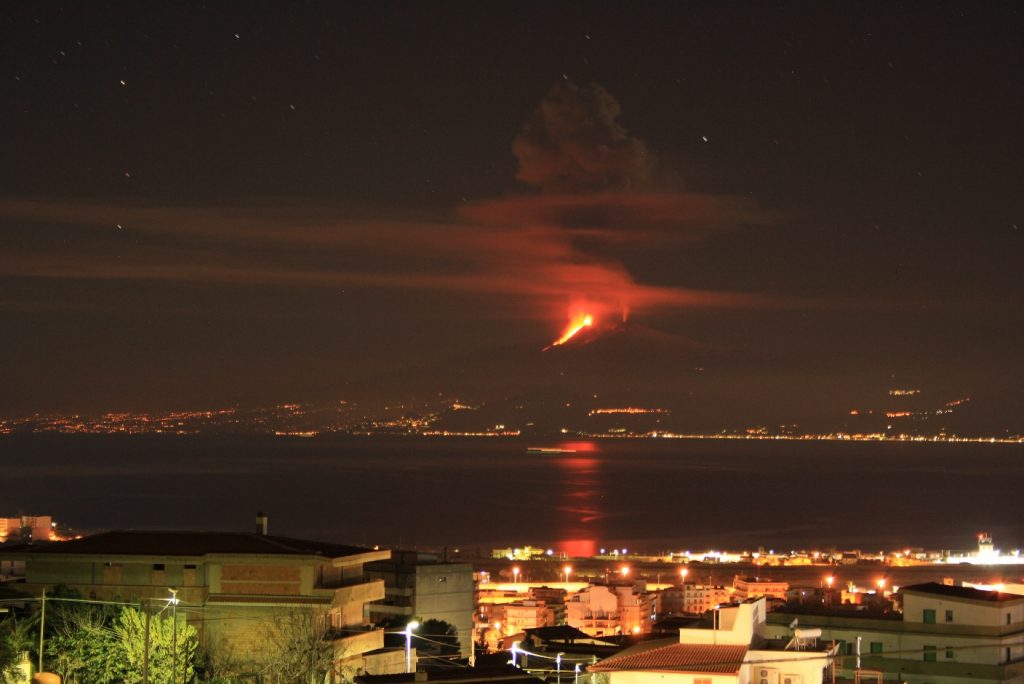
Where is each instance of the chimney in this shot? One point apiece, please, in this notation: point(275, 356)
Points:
point(261, 523)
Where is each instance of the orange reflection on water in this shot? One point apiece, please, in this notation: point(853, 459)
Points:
point(577, 524)
point(578, 447)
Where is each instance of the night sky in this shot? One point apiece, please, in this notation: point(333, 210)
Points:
point(207, 204)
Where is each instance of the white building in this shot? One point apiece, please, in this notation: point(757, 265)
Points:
point(735, 650)
point(947, 635)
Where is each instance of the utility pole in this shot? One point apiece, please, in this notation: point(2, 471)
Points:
point(145, 648)
point(42, 624)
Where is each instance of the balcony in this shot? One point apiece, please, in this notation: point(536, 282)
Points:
point(362, 591)
point(353, 641)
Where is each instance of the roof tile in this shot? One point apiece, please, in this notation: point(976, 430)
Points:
point(702, 658)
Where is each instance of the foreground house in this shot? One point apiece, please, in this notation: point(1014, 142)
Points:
point(734, 650)
point(240, 591)
point(947, 634)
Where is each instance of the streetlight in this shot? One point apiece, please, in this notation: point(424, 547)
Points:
point(408, 645)
point(683, 572)
point(558, 668)
point(515, 574)
point(566, 570)
point(576, 675)
point(624, 570)
point(514, 649)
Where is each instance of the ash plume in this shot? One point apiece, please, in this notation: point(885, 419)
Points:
point(574, 143)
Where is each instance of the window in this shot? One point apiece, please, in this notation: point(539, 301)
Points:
point(702, 680)
point(158, 566)
point(876, 646)
point(929, 616)
point(949, 616)
point(949, 653)
point(929, 654)
point(1007, 618)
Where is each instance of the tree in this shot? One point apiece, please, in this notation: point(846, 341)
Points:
point(129, 648)
point(439, 637)
point(305, 649)
point(16, 637)
point(102, 643)
point(79, 646)
point(78, 636)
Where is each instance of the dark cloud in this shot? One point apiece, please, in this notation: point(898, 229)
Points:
point(575, 143)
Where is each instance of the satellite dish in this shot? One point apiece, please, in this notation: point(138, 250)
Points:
point(794, 623)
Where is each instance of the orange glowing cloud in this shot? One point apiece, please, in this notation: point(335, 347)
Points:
point(538, 265)
point(556, 245)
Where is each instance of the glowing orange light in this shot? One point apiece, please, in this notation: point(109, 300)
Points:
point(578, 323)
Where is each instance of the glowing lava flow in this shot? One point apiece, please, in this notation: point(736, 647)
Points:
point(578, 323)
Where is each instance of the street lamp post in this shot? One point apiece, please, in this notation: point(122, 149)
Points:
point(408, 645)
point(576, 674)
point(683, 572)
point(174, 635)
point(566, 570)
point(558, 668)
point(515, 574)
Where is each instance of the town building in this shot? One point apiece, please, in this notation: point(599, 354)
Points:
point(693, 599)
point(945, 635)
point(239, 590)
point(613, 608)
point(752, 587)
point(418, 585)
point(27, 528)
